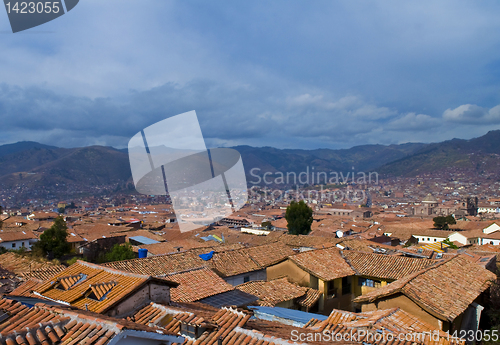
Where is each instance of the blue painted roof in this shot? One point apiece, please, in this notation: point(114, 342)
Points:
point(143, 240)
point(298, 318)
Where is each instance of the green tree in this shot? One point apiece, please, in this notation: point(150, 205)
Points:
point(267, 225)
point(119, 252)
point(451, 244)
point(53, 241)
point(299, 218)
point(442, 223)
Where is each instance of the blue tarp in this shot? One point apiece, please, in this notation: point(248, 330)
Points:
point(287, 316)
point(207, 256)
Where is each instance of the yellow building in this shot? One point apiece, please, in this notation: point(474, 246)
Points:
point(447, 295)
point(342, 275)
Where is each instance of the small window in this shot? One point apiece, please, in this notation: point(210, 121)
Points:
point(428, 239)
point(369, 282)
point(346, 286)
point(66, 283)
point(189, 330)
point(435, 240)
point(332, 292)
point(246, 279)
point(22, 244)
point(98, 292)
point(13, 245)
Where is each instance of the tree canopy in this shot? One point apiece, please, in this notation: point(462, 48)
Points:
point(267, 225)
point(299, 218)
point(119, 252)
point(442, 223)
point(53, 241)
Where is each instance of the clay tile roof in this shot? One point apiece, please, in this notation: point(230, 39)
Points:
point(26, 288)
point(233, 262)
point(218, 323)
point(228, 260)
point(269, 254)
point(273, 292)
point(43, 273)
point(47, 325)
point(310, 298)
point(326, 264)
point(7, 236)
point(161, 264)
point(81, 286)
point(394, 321)
point(20, 264)
point(444, 290)
point(384, 266)
point(197, 284)
point(297, 241)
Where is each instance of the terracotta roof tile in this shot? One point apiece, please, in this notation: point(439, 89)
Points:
point(20, 264)
point(83, 285)
point(272, 292)
point(269, 254)
point(197, 284)
point(43, 324)
point(226, 323)
point(390, 321)
point(384, 266)
point(445, 289)
point(160, 264)
point(327, 264)
point(43, 273)
point(233, 262)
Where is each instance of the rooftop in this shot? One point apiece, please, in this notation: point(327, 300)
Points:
point(47, 325)
point(273, 292)
point(444, 290)
point(326, 264)
point(384, 266)
point(89, 286)
point(197, 284)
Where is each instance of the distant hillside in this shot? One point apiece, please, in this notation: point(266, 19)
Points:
point(362, 158)
point(478, 155)
point(87, 166)
point(36, 165)
point(22, 146)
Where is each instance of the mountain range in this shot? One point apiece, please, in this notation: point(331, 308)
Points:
point(34, 164)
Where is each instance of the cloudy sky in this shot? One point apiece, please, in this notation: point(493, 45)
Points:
point(289, 74)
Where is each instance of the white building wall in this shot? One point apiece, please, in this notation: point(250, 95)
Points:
point(15, 245)
point(490, 241)
point(492, 228)
point(458, 238)
point(429, 239)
